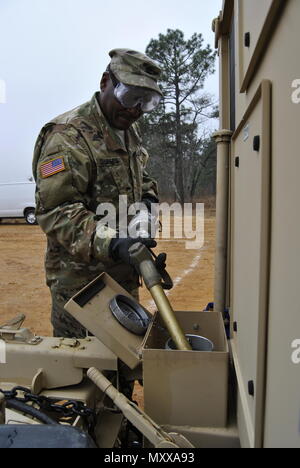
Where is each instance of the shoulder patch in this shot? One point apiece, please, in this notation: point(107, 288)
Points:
point(52, 167)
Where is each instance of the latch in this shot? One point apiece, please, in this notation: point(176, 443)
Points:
point(11, 331)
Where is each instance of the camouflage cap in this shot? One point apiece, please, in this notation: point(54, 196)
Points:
point(135, 69)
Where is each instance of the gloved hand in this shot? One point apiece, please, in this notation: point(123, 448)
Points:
point(143, 225)
point(119, 247)
point(149, 201)
point(146, 223)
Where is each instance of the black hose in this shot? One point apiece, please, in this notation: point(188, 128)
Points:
point(26, 409)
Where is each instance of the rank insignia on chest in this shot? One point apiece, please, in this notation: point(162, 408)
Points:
point(52, 167)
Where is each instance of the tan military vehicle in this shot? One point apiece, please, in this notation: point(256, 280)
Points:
point(211, 379)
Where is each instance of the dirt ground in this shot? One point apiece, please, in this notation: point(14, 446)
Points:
point(22, 279)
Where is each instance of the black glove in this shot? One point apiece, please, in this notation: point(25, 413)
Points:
point(148, 200)
point(118, 249)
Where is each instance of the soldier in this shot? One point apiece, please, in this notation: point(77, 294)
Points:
point(85, 157)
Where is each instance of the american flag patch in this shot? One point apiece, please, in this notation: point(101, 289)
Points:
point(52, 167)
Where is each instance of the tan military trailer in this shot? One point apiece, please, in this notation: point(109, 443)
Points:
point(258, 254)
point(243, 390)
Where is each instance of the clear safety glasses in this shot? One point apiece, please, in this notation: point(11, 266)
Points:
point(132, 96)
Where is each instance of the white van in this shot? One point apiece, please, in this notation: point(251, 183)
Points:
point(17, 200)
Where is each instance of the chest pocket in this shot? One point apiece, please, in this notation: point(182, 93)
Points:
point(112, 179)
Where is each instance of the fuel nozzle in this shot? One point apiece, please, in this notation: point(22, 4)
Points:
point(143, 261)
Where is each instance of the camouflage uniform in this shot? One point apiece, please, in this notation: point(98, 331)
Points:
point(93, 166)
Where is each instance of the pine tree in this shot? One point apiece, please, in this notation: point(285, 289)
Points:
point(174, 127)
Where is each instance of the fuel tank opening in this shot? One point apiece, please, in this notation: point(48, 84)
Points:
point(198, 343)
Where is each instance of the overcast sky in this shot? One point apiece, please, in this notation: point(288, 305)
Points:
point(53, 52)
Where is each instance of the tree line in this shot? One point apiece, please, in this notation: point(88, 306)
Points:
point(177, 134)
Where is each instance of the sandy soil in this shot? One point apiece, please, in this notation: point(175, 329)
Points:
point(22, 282)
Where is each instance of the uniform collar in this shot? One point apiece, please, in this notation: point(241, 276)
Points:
point(111, 137)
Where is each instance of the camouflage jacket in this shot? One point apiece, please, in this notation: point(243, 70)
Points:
point(79, 162)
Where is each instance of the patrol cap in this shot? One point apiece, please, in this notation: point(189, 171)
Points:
point(135, 69)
